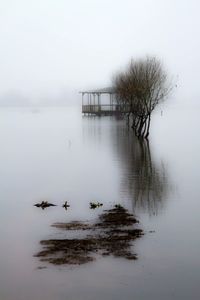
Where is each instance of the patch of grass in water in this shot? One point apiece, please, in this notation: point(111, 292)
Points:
point(113, 235)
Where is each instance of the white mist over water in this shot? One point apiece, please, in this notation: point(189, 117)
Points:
point(51, 50)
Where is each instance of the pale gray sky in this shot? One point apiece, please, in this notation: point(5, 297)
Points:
point(50, 48)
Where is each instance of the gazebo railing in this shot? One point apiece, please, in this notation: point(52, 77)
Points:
point(95, 108)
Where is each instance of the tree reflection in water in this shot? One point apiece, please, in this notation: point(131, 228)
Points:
point(144, 179)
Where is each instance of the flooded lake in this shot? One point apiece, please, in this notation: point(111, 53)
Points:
point(58, 155)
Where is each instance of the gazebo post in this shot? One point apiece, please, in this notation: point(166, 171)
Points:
point(110, 101)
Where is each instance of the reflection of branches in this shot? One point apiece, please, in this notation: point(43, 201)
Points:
point(144, 180)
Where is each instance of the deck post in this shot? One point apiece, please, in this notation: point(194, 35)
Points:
point(82, 102)
point(88, 103)
point(98, 102)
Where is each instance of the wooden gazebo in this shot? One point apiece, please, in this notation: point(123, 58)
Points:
point(92, 103)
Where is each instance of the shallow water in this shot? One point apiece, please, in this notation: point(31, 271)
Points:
point(58, 155)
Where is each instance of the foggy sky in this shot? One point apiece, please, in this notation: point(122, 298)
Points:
point(52, 49)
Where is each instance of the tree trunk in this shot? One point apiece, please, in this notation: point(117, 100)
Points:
point(148, 126)
point(139, 133)
point(145, 126)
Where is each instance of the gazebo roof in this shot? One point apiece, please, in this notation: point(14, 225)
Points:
point(107, 90)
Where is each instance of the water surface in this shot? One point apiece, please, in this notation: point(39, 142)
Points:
point(57, 155)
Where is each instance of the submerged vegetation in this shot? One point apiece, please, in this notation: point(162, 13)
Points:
point(139, 89)
point(94, 205)
point(112, 234)
point(66, 205)
point(44, 204)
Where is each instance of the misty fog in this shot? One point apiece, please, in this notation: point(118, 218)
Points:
point(52, 49)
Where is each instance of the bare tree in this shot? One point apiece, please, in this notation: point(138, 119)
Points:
point(140, 89)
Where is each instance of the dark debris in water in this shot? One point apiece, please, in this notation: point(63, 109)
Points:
point(94, 205)
point(44, 204)
point(111, 235)
point(73, 226)
point(66, 205)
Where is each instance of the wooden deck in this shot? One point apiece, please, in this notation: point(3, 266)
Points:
point(105, 109)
